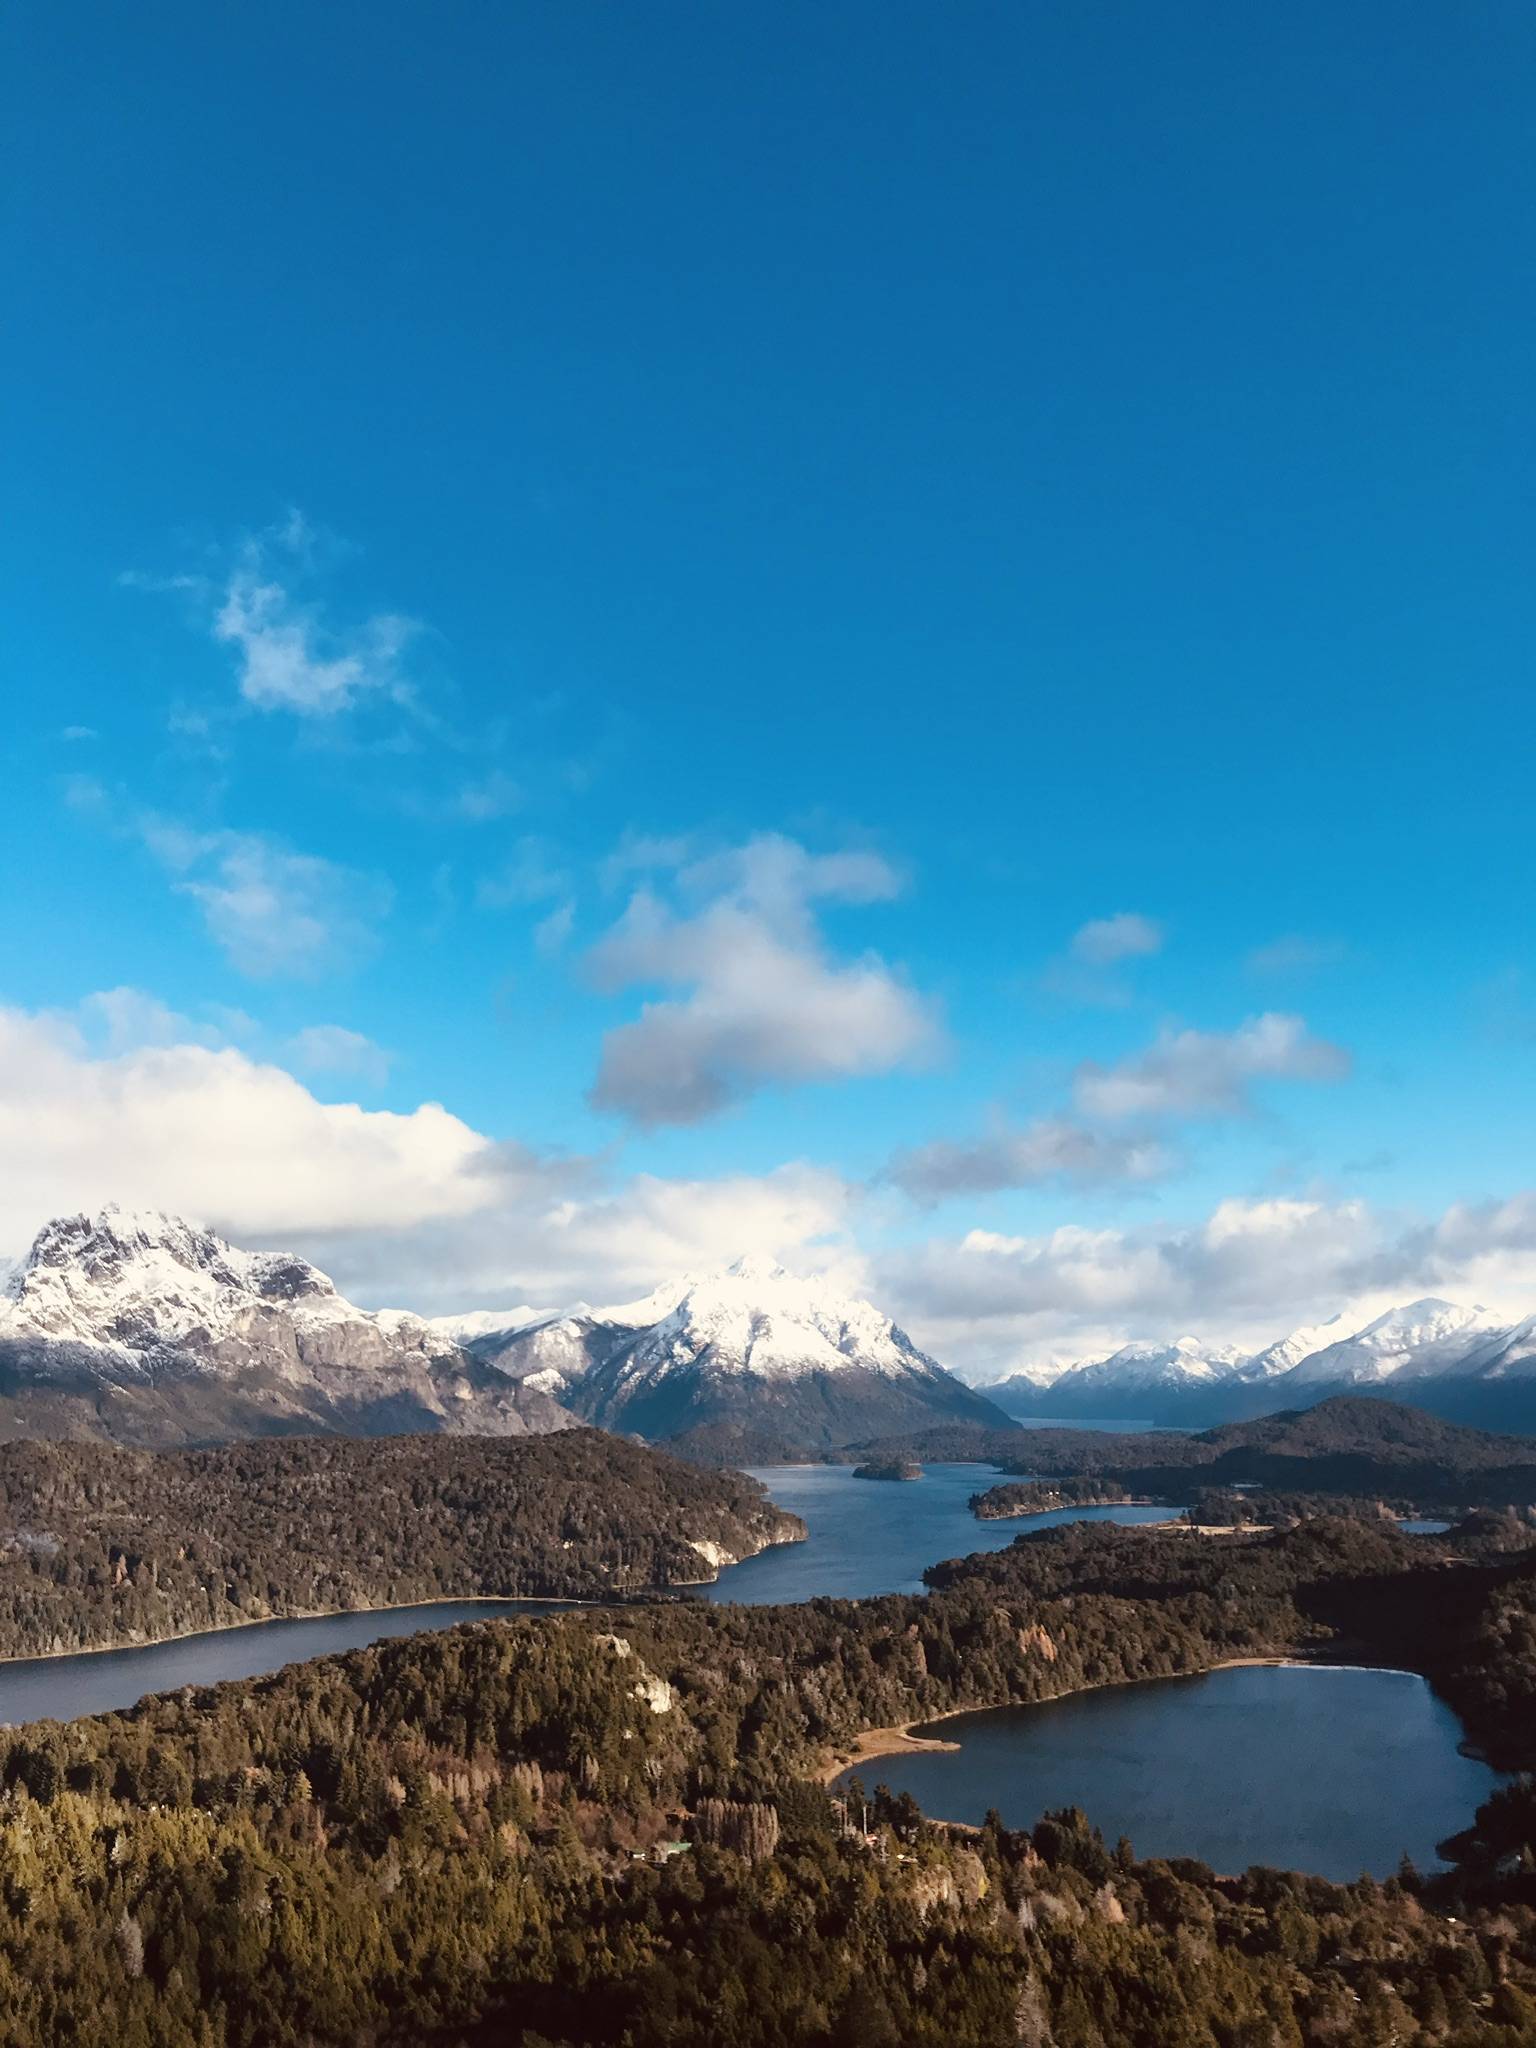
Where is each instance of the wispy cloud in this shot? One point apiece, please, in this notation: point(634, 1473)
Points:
point(332, 1049)
point(764, 1000)
point(492, 796)
point(1293, 956)
point(1050, 1149)
point(1105, 941)
point(274, 911)
point(1092, 970)
point(532, 873)
point(1118, 1129)
point(1191, 1074)
point(290, 655)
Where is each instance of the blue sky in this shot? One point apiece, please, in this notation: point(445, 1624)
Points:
point(805, 617)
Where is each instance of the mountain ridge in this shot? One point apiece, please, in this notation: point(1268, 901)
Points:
point(751, 1346)
point(1464, 1363)
point(138, 1327)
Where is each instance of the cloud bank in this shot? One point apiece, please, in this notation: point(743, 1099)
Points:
point(763, 999)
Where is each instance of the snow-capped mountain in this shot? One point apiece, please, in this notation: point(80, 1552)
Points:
point(750, 1344)
point(1462, 1362)
point(1139, 1381)
point(1286, 1353)
point(1418, 1341)
point(143, 1328)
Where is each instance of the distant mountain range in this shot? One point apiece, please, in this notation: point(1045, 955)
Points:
point(1461, 1363)
point(143, 1329)
point(792, 1360)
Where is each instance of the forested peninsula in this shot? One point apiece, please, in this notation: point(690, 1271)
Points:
point(602, 1830)
point(102, 1547)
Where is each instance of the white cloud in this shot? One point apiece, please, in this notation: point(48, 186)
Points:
point(333, 1049)
point(765, 1000)
point(215, 1134)
point(411, 1209)
point(1207, 1073)
point(1105, 941)
point(1247, 1273)
point(119, 1020)
point(273, 911)
point(290, 657)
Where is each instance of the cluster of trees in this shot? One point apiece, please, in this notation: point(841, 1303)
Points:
point(1043, 1496)
point(471, 1838)
point(103, 1546)
point(888, 1468)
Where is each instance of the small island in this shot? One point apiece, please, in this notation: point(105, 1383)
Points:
point(889, 1468)
point(1044, 1497)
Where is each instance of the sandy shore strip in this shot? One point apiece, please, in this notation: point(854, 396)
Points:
point(900, 1741)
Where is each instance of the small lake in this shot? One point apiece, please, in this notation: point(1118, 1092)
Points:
point(100, 1681)
point(870, 1536)
point(1334, 1770)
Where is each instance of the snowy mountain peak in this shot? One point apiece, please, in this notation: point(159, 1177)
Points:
point(143, 1280)
point(144, 1327)
point(1418, 1339)
point(749, 1342)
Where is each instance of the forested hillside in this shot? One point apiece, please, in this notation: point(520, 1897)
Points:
point(102, 1546)
point(601, 1831)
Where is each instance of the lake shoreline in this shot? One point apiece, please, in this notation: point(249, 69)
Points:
point(642, 1596)
point(228, 1628)
point(901, 1740)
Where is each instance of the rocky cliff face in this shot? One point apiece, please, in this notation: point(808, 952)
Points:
point(142, 1328)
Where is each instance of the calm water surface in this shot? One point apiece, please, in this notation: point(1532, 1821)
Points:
point(870, 1536)
point(866, 1536)
point(1333, 1770)
point(60, 1688)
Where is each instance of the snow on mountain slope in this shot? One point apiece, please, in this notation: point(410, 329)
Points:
point(751, 1343)
point(1184, 1363)
point(1123, 1383)
point(1421, 1340)
point(1286, 1353)
point(755, 1318)
point(1507, 1354)
point(145, 1327)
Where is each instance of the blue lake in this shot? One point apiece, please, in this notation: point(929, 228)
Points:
point(870, 1536)
point(1335, 1770)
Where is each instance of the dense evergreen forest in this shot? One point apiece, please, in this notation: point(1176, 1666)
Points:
point(104, 1546)
point(604, 1830)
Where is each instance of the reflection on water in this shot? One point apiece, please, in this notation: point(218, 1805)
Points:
point(870, 1536)
point(1331, 1770)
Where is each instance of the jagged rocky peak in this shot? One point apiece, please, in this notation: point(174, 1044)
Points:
point(139, 1276)
point(145, 1328)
